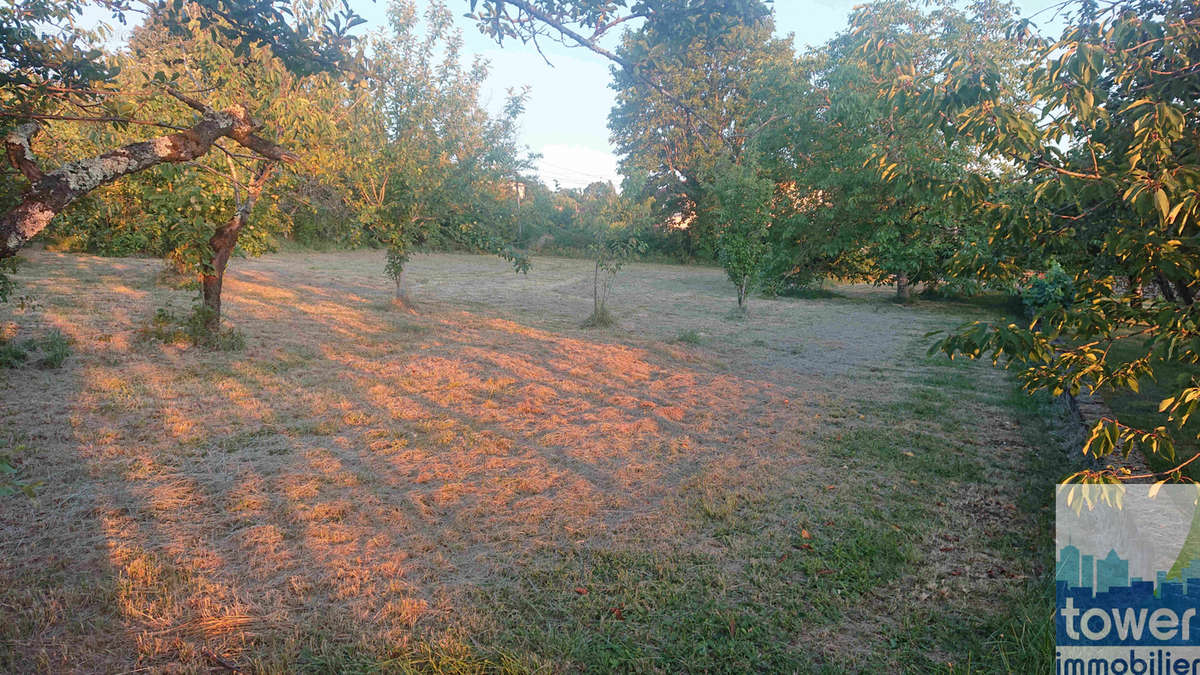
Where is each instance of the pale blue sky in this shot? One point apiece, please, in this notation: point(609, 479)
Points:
point(567, 114)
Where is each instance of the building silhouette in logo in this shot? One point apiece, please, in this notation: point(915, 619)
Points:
point(1111, 572)
point(1068, 566)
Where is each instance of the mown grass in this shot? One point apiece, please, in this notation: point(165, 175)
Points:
point(900, 524)
point(791, 572)
point(789, 566)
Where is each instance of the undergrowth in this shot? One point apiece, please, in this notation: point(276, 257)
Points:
point(169, 328)
point(48, 351)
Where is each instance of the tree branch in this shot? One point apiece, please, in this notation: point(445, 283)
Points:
point(50, 193)
point(20, 152)
point(628, 65)
point(189, 101)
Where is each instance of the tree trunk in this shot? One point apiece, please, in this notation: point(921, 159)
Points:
point(903, 288)
point(222, 244)
point(1164, 287)
point(596, 304)
point(401, 298)
point(50, 193)
point(1185, 292)
point(742, 292)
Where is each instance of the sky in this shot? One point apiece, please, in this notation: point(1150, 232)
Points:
point(566, 119)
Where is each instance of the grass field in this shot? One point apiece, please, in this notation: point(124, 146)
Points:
point(478, 484)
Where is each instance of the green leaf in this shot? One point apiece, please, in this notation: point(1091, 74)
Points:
point(1160, 201)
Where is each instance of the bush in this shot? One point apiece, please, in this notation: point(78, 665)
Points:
point(1052, 289)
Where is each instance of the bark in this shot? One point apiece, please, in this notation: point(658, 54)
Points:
point(222, 244)
point(903, 288)
point(49, 193)
point(1164, 286)
point(1185, 292)
point(742, 292)
point(401, 299)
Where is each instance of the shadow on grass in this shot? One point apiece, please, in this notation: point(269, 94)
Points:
point(362, 489)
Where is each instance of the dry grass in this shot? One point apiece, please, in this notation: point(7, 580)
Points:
point(367, 477)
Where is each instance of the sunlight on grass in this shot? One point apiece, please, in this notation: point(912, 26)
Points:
point(413, 481)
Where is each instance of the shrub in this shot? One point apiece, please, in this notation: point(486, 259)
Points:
point(8, 267)
point(1052, 289)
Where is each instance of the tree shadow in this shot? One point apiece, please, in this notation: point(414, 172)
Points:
point(349, 477)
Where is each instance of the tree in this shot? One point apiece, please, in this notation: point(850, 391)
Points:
point(1104, 146)
point(54, 71)
point(404, 154)
point(197, 212)
point(671, 146)
point(435, 165)
point(614, 246)
point(867, 174)
point(743, 204)
point(50, 192)
point(585, 23)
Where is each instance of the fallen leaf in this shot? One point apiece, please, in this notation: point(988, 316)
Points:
point(581, 590)
point(804, 534)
